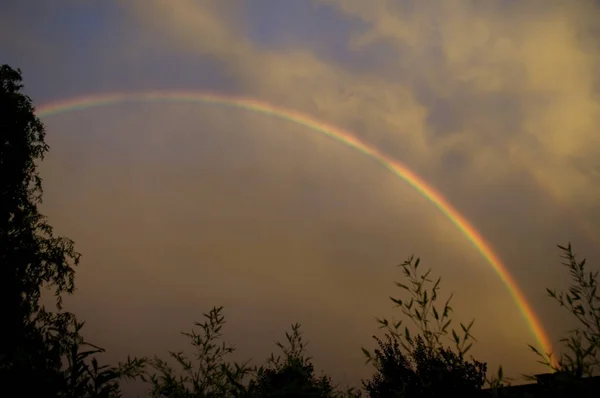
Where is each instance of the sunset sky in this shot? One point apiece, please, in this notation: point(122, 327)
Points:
point(177, 207)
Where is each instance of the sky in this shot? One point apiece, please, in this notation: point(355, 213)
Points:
point(177, 207)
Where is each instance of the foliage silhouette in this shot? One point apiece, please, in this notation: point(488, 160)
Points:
point(583, 302)
point(292, 375)
point(211, 376)
point(423, 372)
point(31, 257)
point(418, 365)
point(85, 378)
point(36, 342)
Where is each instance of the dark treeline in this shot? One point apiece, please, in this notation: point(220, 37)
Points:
point(43, 352)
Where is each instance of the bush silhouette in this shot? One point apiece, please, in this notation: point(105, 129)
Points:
point(209, 374)
point(420, 365)
point(423, 372)
point(292, 375)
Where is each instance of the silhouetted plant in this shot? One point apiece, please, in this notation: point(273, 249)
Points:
point(423, 372)
point(30, 255)
point(35, 341)
point(211, 375)
point(432, 321)
point(291, 375)
point(208, 375)
point(83, 376)
point(582, 300)
point(408, 365)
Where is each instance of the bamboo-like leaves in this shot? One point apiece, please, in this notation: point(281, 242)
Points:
point(208, 374)
point(582, 301)
point(420, 304)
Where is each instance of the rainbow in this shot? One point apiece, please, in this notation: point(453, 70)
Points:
point(340, 135)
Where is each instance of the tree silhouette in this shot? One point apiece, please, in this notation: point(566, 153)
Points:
point(31, 257)
point(39, 348)
point(420, 365)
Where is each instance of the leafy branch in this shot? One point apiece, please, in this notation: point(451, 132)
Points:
point(210, 375)
point(583, 302)
point(421, 307)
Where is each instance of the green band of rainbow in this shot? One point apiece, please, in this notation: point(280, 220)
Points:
point(339, 135)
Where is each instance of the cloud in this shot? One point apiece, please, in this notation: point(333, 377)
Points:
point(519, 78)
point(518, 82)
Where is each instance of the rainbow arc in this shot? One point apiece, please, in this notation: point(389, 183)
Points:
point(337, 134)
